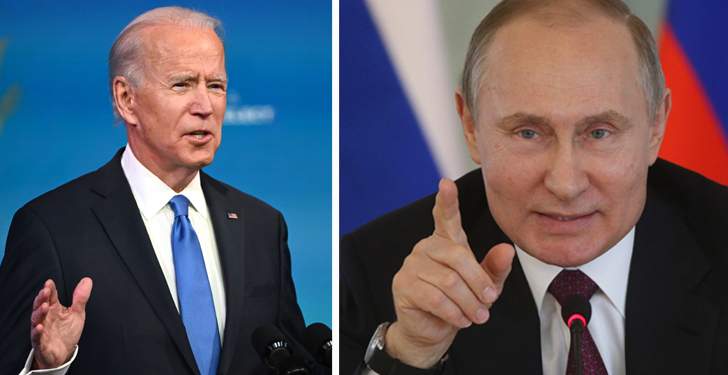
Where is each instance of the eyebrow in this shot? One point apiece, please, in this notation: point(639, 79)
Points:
point(187, 77)
point(606, 116)
point(223, 79)
point(182, 78)
point(522, 117)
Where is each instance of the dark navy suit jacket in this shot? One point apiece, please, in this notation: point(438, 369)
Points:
point(677, 294)
point(91, 227)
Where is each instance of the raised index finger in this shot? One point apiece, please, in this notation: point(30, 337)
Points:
point(446, 214)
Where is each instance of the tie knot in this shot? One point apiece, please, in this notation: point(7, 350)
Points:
point(569, 282)
point(179, 204)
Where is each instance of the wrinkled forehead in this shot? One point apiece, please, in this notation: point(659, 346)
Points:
point(170, 41)
point(569, 67)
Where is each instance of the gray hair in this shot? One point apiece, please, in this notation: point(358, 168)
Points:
point(651, 79)
point(126, 55)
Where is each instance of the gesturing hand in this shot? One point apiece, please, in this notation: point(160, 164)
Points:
point(441, 288)
point(54, 329)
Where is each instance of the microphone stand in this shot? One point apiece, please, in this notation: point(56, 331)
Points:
point(576, 329)
point(576, 311)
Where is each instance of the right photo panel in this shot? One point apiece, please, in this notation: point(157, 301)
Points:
point(533, 187)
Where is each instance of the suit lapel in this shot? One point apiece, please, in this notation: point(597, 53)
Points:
point(230, 236)
point(121, 219)
point(669, 327)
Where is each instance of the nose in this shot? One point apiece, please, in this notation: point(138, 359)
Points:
point(566, 178)
point(201, 105)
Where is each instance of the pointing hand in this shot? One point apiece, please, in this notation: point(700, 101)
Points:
point(441, 288)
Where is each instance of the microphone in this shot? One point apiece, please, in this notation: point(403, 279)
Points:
point(317, 340)
point(576, 312)
point(273, 348)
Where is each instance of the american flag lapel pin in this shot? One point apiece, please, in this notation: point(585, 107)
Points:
point(232, 215)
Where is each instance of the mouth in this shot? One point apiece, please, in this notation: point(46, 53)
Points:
point(565, 218)
point(199, 136)
point(566, 223)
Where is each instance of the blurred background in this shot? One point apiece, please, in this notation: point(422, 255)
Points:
point(400, 62)
point(56, 121)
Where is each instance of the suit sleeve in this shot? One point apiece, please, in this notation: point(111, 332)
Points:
point(357, 319)
point(290, 319)
point(30, 259)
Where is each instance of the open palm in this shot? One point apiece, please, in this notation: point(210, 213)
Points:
point(55, 329)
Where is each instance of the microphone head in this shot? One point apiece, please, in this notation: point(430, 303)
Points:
point(267, 338)
point(317, 340)
point(575, 304)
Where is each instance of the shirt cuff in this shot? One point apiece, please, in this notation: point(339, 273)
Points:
point(51, 371)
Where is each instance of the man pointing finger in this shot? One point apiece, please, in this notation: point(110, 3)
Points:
point(564, 107)
point(442, 288)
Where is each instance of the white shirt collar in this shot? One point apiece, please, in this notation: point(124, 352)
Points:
point(610, 271)
point(152, 194)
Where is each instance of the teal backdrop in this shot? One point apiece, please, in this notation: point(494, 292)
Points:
point(56, 121)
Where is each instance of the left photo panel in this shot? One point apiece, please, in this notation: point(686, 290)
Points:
point(167, 187)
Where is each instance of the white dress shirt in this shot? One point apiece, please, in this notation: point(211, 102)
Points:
point(610, 272)
point(152, 197)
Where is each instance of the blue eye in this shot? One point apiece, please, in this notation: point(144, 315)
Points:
point(528, 134)
point(599, 133)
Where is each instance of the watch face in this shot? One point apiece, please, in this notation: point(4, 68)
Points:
point(377, 341)
point(370, 348)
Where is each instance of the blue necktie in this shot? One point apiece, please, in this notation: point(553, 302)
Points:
point(193, 290)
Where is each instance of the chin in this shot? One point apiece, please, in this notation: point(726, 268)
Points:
point(565, 255)
point(203, 163)
point(199, 159)
point(196, 164)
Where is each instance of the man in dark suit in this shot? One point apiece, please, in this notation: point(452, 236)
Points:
point(563, 104)
point(186, 306)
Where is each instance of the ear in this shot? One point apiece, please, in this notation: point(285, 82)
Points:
point(124, 98)
point(658, 126)
point(469, 129)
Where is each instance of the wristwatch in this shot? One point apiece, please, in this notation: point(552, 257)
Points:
point(377, 359)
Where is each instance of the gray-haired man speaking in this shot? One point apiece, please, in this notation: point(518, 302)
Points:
point(183, 267)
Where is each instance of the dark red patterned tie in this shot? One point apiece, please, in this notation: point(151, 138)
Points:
point(566, 283)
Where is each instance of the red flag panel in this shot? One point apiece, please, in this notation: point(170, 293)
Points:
point(694, 138)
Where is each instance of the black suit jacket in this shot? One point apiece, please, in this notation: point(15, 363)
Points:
point(677, 294)
point(92, 227)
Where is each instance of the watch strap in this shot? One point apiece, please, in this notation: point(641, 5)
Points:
point(383, 364)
